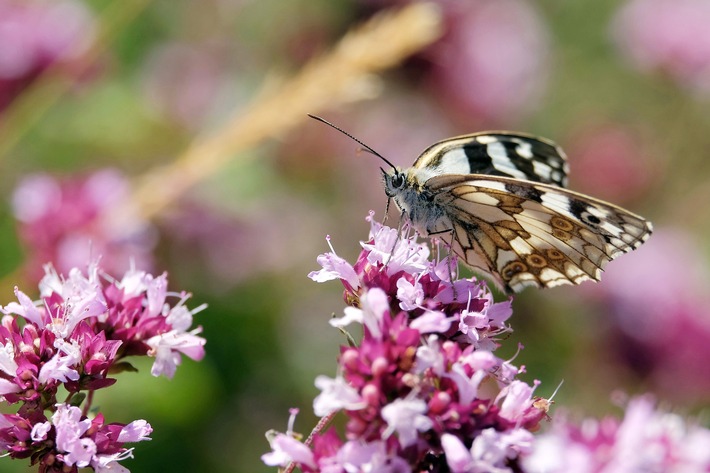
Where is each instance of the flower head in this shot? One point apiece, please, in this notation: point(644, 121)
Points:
point(70, 439)
point(646, 439)
point(412, 385)
point(72, 338)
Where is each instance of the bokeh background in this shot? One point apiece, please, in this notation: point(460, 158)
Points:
point(173, 132)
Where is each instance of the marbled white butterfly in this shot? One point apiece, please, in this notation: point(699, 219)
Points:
point(498, 199)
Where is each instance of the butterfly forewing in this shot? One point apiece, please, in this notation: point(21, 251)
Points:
point(532, 234)
point(501, 153)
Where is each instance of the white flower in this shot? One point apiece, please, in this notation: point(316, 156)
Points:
point(407, 418)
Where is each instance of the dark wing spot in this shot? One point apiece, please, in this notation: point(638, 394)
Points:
point(526, 192)
point(577, 207)
point(511, 269)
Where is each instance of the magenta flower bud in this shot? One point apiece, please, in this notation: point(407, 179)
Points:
point(439, 402)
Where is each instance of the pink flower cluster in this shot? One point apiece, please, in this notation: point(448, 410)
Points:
point(81, 330)
point(95, 220)
point(70, 440)
point(423, 390)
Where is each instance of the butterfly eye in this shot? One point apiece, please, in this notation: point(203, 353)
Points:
point(398, 180)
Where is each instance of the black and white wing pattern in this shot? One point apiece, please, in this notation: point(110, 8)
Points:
point(524, 233)
point(496, 153)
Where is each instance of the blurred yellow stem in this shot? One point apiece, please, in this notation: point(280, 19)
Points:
point(342, 75)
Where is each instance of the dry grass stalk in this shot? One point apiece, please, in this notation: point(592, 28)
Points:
point(342, 75)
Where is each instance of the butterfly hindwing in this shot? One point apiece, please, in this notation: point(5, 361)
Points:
point(496, 153)
point(532, 234)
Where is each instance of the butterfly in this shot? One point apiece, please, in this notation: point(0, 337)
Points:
point(499, 199)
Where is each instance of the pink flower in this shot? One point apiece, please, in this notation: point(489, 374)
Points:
point(375, 305)
point(335, 395)
point(403, 393)
point(489, 452)
point(167, 347)
point(70, 439)
point(432, 321)
point(492, 60)
point(645, 440)
point(286, 450)
point(334, 267)
point(518, 400)
point(410, 294)
point(136, 431)
point(71, 339)
point(70, 428)
point(60, 366)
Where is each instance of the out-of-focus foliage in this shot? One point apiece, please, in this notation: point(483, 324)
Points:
point(619, 85)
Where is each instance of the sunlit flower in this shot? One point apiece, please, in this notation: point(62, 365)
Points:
point(70, 439)
point(412, 383)
point(72, 339)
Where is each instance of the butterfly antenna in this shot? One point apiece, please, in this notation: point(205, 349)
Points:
point(365, 147)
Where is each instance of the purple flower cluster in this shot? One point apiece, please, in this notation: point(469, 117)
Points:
point(646, 440)
point(79, 333)
point(423, 390)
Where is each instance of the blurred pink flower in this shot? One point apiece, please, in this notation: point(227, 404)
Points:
point(645, 440)
point(490, 67)
point(658, 298)
point(69, 221)
point(234, 246)
point(36, 34)
point(669, 36)
point(492, 60)
point(609, 161)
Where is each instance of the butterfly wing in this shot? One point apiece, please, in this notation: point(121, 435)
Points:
point(524, 233)
point(496, 153)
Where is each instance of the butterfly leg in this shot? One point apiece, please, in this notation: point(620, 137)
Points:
point(399, 235)
point(387, 210)
point(450, 231)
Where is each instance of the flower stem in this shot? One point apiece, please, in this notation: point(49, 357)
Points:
point(320, 427)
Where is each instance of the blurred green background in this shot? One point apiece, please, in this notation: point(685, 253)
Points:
point(630, 108)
